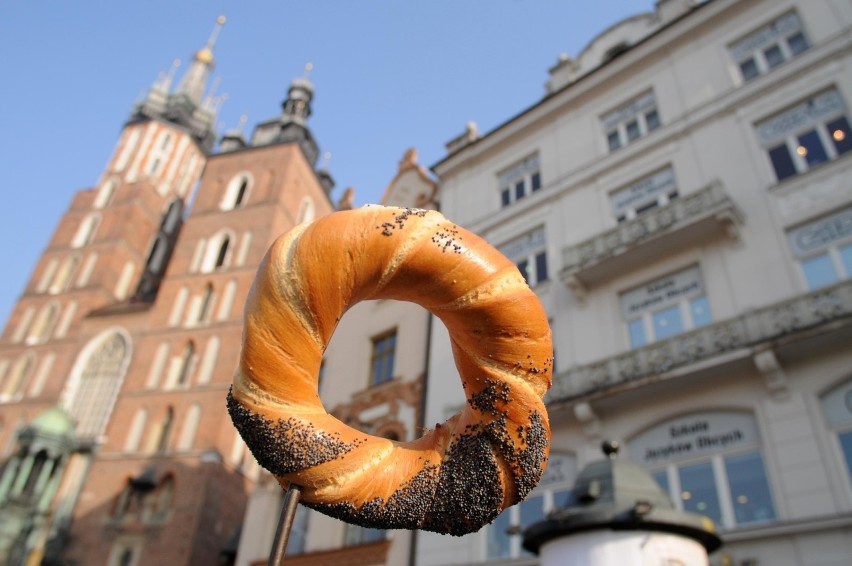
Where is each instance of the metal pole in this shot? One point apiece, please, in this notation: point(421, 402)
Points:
point(285, 522)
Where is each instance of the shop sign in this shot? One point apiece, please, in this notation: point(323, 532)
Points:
point(822, 233)
point(668, 289)
point(694, 435)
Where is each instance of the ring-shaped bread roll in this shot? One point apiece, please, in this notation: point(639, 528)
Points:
point(458, 476)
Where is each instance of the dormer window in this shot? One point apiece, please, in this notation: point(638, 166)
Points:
point(616, 51)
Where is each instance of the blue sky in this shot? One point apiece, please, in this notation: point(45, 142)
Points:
point(388, 74)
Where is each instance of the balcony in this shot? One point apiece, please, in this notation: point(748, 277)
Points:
point(806, 315)
point(682, 223)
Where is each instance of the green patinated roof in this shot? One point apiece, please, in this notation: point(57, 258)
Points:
point(54, 421)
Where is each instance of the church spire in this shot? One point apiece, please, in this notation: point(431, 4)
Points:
point(185, 106)
point(195, 80)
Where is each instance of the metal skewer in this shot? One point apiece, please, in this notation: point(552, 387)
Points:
point(285, 523)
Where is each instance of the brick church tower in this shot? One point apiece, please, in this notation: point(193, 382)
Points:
point(114, 365)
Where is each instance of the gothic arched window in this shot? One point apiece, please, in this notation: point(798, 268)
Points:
point(217, 252)
point(165, 431)
point(43, 325)
point(206, 301)
point(237, 191)
point(173, 214)
point(223, 253)
point(157, 256)
point(186, 364)
point(105, 193)
point(63, 276)
point(96, 379)
point(86, 231)
point(14, 386)
point(189, 428)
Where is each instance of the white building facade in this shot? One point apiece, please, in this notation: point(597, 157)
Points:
point(681, 202)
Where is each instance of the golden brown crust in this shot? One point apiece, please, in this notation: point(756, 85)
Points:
point(458, 476)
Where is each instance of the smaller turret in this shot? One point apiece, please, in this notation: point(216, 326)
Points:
point(294, 120)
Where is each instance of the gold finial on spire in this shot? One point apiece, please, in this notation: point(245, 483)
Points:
point(308, 68)
point(205, 55)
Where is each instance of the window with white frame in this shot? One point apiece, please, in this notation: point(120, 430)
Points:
point(811, 132)
point(709, 463)
point(665, 307)
point(823, 249)
point(529, 253)
point(769, 46)
point(382, 358)
point(631, 121)
point(837, 409)
point(519, 180)
point(645, 194)
point(503, 538)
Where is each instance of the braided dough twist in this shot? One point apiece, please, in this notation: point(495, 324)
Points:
point(458, 476)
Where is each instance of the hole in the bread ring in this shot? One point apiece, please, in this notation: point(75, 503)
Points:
point(371, 378)
point(460, 474)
